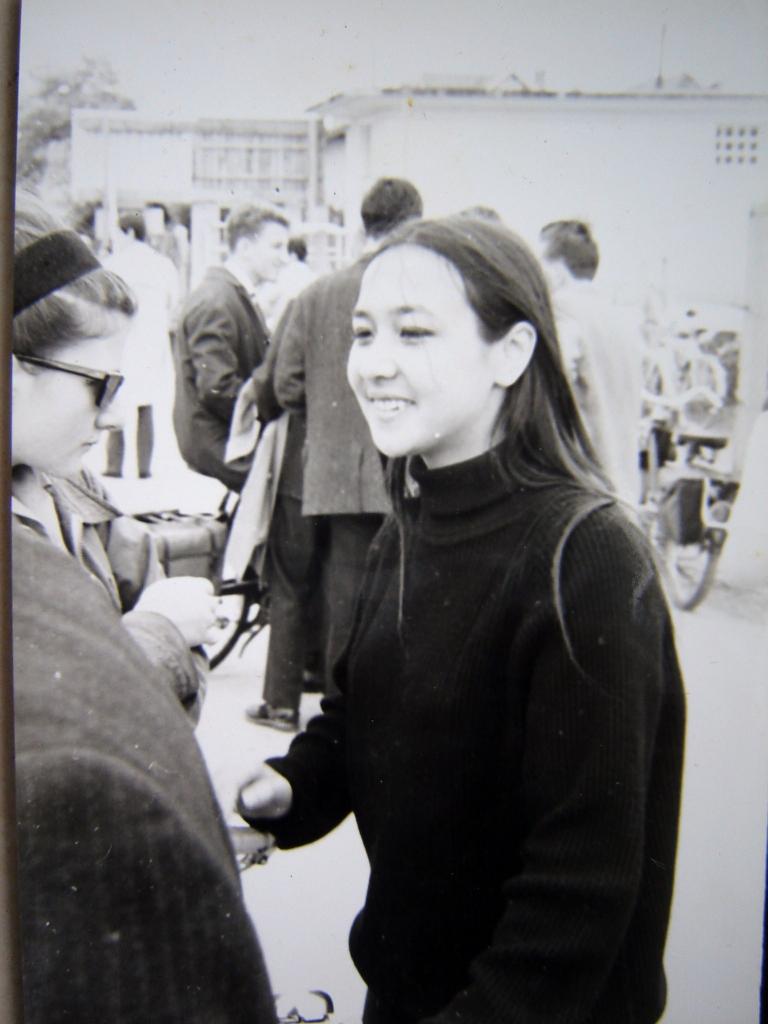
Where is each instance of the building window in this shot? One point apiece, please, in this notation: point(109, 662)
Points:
point(737, 144)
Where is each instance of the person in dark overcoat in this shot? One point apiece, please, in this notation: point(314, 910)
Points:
point(130, 901)
point(221, 339)
point(325, 521)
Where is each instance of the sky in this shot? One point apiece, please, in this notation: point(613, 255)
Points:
point(200, 58)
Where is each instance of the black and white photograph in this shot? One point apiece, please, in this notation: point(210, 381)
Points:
point(388, 504)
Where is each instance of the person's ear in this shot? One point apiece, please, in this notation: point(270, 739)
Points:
point(514, 352)
point(242, 245)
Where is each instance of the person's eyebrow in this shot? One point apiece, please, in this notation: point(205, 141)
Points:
point(420, 310)
point(399, 311)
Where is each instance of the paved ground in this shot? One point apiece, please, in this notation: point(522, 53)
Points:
point(303, 902)
point(714, 949)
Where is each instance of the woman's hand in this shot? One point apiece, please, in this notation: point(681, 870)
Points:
point(266, 794)
point(188, 602)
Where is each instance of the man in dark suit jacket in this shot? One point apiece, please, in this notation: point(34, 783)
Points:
point(130, 901)
point(222, 338)
point(324, 523)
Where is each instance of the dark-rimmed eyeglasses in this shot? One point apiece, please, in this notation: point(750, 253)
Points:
point(108, 383)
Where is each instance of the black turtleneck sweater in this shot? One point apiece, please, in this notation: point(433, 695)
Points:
point(513, 759)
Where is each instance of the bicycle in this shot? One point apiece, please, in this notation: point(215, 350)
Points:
point(244, 608)
point(244, 613)
point(686, 506)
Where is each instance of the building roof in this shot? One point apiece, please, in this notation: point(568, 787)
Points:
point(512, 88)
point(139, 121)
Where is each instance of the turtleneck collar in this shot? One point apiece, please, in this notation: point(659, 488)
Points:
point(467, 497)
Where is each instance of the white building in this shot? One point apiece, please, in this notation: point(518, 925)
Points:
point(669, 181)
point(123, 158)
point(188, 161)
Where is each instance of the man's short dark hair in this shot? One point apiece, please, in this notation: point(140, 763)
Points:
point(297, 247)
point(133, 220)
point(571, 241)
point(388, 203)
point(247, 221)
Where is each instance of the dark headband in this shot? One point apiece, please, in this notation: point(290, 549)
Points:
point(47, 264)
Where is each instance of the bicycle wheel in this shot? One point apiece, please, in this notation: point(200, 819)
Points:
point(689, 569)
point(236, 609)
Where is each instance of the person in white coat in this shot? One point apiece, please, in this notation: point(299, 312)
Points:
point(149, 367)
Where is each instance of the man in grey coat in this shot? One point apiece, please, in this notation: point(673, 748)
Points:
point(343, 496)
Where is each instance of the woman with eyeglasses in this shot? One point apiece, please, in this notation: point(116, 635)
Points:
point(70, 320)
point(509, 727)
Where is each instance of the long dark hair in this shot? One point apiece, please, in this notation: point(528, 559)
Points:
point(543, 438)
point(84, 308)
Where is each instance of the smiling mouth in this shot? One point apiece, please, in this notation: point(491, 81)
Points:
point(389, 404)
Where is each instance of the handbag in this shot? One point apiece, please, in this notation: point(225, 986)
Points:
point(188, 544)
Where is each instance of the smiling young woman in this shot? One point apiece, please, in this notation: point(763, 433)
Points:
point(509, 731)
point(426, 379)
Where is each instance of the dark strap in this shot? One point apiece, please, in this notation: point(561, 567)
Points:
point(47, 264)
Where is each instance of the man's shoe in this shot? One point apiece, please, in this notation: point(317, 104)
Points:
point(276, 718)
